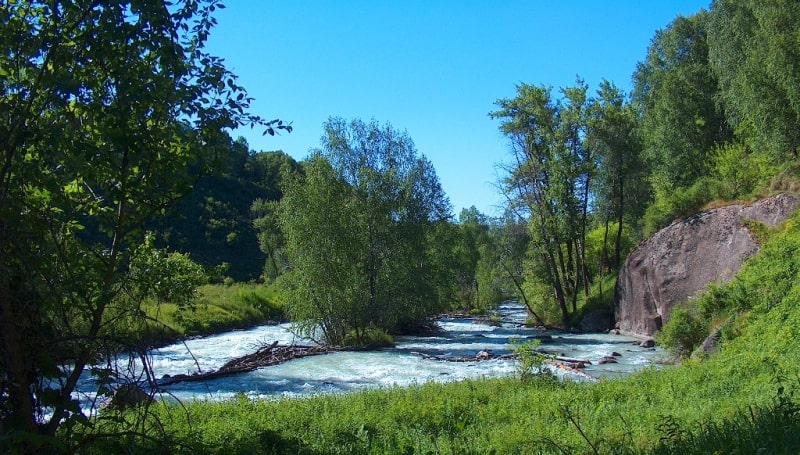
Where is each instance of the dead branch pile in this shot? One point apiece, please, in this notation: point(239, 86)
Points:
point(266, 356)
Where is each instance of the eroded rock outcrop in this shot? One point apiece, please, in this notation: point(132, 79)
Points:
point(677, 262)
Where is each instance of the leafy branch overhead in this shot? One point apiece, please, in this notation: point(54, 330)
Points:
point(111, 110)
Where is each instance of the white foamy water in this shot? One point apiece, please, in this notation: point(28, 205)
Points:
point(401, 366)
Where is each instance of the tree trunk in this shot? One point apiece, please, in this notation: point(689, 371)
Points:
point(18, 368)
point(620, 213)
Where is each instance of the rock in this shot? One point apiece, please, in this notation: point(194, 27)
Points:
point(710, 344)
point(607, 359)
point(679, 261)
point(483, 355)
point(128, 396)
point(648, 343)
point(597, 321)
point(616, 354)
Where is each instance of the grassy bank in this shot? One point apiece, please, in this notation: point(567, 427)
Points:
point(740, 400)
point(218, 308)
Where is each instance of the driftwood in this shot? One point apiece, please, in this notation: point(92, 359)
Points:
point(569, 364)
point(483, 355)
point(266, 356)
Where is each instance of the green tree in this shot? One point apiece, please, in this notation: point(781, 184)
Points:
point(675, 94)
point(272, 169)
point(549, 183)
point(110, 111)
point(215, 225)
point(621, 192)
point(270, 237)
point(473, 229)
point(754, 52)
point(365, 234)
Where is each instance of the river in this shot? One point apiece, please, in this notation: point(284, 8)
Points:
point(401, 365)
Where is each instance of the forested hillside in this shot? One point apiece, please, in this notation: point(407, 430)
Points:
point(214, 223)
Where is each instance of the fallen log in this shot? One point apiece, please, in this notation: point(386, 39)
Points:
point(561, 358)
point(481, 356)
point(273, 354)
point(568, 364)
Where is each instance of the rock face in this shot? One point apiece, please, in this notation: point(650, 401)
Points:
point(677, 262)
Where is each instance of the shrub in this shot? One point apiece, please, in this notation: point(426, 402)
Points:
point(530, 362)
point(370, 337)
point(678, 204)
point(737, 170)
point(683, 332)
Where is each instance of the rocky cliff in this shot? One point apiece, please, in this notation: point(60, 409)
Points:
point(680, 260)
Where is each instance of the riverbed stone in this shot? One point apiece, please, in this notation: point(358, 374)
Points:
point(648, 343)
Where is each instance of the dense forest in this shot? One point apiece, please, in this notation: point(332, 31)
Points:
point(120, 185)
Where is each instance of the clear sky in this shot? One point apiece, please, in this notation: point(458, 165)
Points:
point(431, 68)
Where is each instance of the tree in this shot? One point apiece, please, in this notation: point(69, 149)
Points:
point(364, 234)
point(272, 169)
point(549, 182)
point(473, 229)
point(754, 53)
point(110, 112)
point(675, 95)
point(622, 191)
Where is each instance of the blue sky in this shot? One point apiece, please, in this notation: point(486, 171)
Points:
point(431, 68)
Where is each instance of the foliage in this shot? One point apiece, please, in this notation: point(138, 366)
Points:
point(278, 167)
point(367, 235)
point(214, 224)
point(163, 276)
point(622, 190)
point(754, 54)
point(674, 93)
point(480, 260)
point(738, 171)
point(668, 207)
point(370, 338)
point(743, 397)
point(111, 111)
point(683, 332)
point(530, 363)
point(549, 182)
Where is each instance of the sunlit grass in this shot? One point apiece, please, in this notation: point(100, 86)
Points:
point(217, 308)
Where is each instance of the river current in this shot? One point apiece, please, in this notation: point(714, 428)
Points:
point(402, 365)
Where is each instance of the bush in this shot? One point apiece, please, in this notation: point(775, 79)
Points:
point(678, 204)
point(682, 333)
point(371, 338)
point(737, 170)
point(530, 363)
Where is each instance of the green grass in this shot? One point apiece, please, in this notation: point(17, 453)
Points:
point(740, 400)
point(217, 308)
